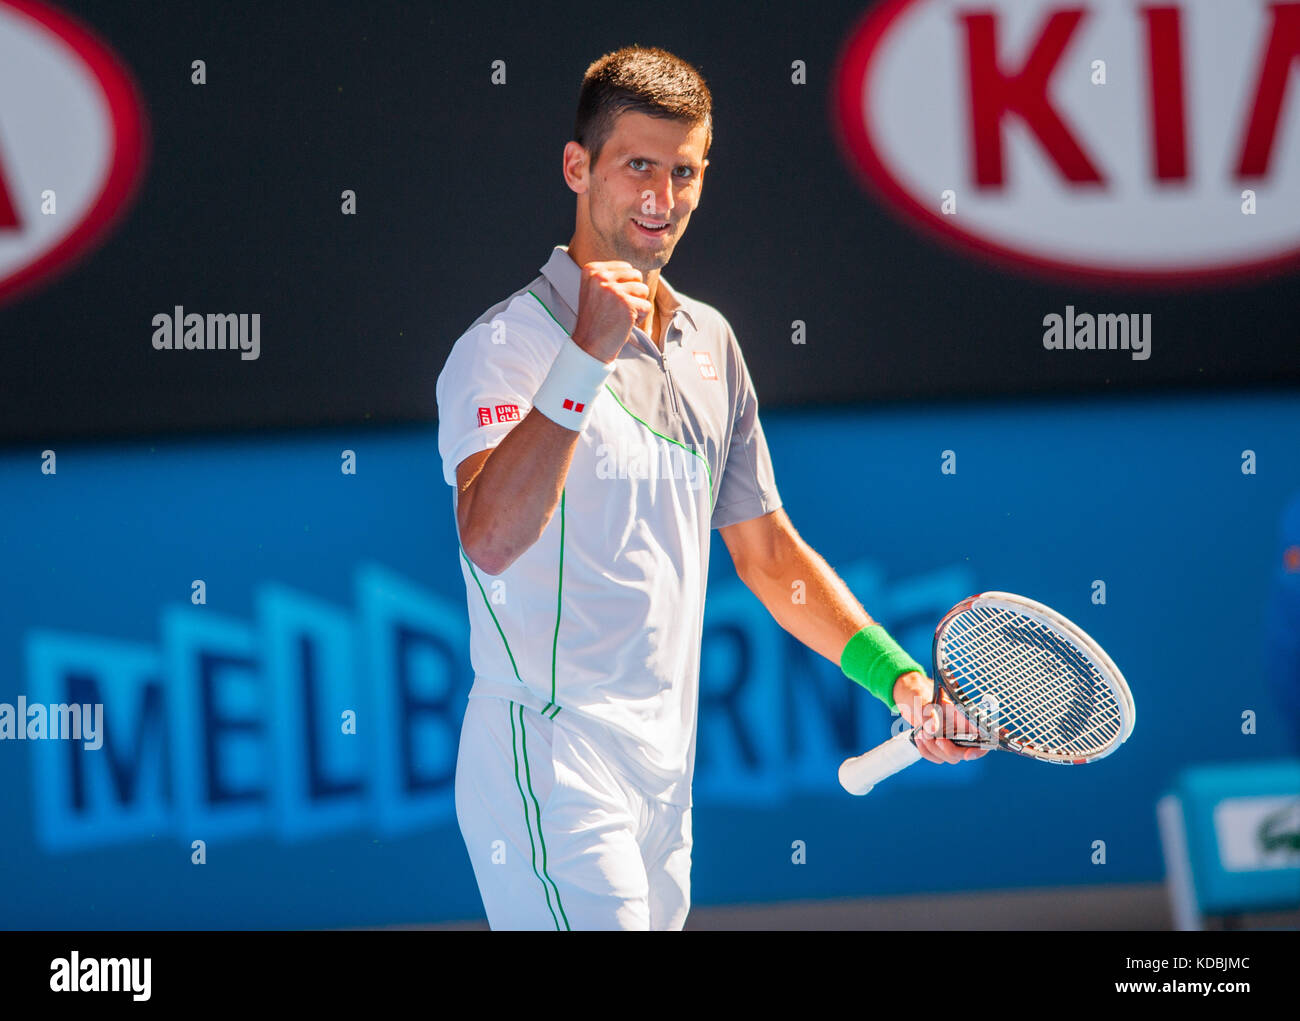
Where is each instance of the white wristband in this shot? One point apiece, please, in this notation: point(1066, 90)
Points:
point(572, 386)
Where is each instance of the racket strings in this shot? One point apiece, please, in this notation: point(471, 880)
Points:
point(1051, 715)
point(1057, 713)
point(1052, 719)
point(1038, 704)
point(1049, 695)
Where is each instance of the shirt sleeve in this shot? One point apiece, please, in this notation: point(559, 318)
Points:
point(486, 388)
point(748, 486)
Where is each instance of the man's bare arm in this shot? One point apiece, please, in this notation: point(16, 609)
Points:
point(789, 577)
point(507, 495)
point(807, 598)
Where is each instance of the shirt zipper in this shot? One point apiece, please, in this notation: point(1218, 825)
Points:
point(672, 389)
point(668, 376)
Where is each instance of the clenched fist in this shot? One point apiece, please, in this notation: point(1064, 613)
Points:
point(612, 298)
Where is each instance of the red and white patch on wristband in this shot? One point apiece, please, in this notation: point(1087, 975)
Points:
point(705, 363)
point(570, 406)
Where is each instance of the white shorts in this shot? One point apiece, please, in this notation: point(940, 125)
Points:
point(557, 839)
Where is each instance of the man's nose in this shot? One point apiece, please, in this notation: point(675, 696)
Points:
point(662, 196)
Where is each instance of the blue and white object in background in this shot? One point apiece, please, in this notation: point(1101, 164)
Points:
point(1231, 837)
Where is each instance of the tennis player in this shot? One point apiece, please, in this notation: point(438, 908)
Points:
point(596, 425)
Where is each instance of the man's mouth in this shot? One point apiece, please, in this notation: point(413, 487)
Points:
point(651, 226)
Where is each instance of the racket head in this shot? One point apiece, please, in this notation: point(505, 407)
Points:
point(1057, 696)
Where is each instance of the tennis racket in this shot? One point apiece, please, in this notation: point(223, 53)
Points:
point(1027, 680)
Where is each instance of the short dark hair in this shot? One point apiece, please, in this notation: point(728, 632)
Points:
point(643, 79)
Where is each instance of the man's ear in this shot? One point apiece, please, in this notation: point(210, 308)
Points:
point(574, 167)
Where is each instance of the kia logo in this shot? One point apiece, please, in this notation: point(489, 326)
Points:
point(72, 142)
point(1112, 140)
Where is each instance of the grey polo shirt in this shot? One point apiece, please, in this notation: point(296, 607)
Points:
point(598, 624)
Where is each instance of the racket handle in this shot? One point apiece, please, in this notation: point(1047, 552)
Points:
point(858, 775)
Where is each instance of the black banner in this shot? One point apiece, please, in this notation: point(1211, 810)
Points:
point(838, 291)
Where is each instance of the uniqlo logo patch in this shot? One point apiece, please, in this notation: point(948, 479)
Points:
point(570, 406)
point(705, 363)
point(484, 416)
point(507, 412)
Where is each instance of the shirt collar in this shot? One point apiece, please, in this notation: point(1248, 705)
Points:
point(566, 277)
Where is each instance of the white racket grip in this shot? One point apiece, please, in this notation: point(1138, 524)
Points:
point(858, 775)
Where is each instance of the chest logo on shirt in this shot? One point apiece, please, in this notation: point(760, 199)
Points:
point(705, 363)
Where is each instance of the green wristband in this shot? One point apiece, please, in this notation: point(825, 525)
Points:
point(876, 661)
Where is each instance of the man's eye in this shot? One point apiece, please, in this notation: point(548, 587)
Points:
point(684, 173)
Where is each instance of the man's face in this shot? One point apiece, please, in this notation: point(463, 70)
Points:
point(650, 172)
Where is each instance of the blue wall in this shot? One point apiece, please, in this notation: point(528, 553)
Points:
point(328, 592)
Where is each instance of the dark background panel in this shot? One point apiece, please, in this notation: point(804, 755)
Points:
point(460, 199)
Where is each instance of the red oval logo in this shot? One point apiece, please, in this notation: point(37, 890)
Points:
point(1120, 142)
point(72, 143)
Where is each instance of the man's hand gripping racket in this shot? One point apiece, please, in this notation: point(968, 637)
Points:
point(1023, 679)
